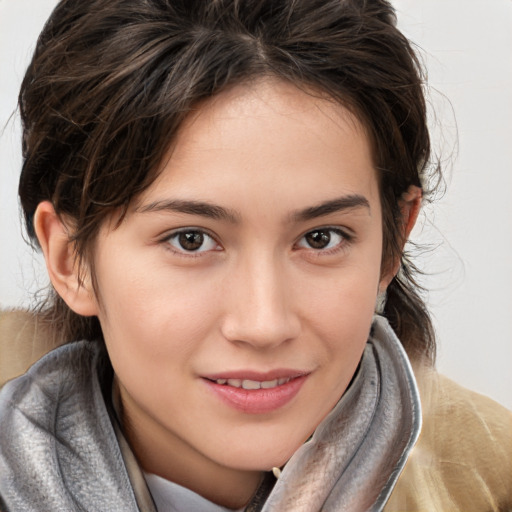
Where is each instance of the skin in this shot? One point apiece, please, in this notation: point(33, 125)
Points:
point(255, 296)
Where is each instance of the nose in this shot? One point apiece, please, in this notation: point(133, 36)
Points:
point(260, 309)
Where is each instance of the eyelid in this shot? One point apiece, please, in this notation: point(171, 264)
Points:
point(186, 229)
point(345, 233)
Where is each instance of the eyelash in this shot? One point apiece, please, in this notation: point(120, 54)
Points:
point(345, 239)
point(182, 251)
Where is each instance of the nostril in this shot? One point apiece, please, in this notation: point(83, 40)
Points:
point(267, 335)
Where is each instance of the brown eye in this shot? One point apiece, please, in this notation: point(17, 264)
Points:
point(318, 239)
point(322, 238)
point(191, 240)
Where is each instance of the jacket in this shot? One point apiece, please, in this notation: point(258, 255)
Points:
point(462, 460)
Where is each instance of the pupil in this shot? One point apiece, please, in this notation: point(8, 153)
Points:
point(318, 239)
point(191, 240)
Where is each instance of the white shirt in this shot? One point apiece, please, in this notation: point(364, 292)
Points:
point(171, 497)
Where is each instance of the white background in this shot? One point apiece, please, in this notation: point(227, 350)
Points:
point(466, 47)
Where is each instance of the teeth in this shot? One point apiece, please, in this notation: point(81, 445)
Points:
point(269, 384)
point(253, 384)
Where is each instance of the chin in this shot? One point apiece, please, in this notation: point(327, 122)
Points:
point(260, 454)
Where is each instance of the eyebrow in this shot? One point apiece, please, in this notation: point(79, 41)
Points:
point(201, 208)
point(336, 205)
point(213, 211)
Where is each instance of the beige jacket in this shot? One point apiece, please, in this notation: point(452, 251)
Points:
point(462, 461)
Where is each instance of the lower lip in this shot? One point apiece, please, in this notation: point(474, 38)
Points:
point(257, 401)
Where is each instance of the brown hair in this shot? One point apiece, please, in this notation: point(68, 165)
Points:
point(111, 81)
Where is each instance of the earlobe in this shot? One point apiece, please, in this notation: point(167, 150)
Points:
point(59, 254)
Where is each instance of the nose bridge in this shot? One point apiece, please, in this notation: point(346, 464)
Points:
point(261, 306)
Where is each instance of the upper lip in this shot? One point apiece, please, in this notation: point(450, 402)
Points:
point(281, 373)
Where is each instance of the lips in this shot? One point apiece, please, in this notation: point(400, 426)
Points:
point(256, 393)
point(253, 384)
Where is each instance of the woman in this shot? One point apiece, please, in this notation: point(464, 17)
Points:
point(222, 192)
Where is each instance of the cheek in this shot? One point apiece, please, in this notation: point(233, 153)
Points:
point(147, 306)
point(341, 308)
point(347, 288)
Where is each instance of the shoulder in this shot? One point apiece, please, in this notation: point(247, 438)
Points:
point(24, 339)
point(462, 461)
point(36, 378)
point(57, 434)
point(55, 381)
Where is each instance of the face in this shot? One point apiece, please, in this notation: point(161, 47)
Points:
point(237, 295)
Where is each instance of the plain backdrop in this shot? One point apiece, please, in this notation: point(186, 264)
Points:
point(466, 234)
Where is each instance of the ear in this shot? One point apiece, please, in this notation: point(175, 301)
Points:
point(410, 205)
point(59, 254)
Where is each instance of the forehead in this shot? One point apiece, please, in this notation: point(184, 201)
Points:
point(265, 137)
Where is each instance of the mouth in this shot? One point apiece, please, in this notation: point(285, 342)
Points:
point(253, 384)
point(257, 394)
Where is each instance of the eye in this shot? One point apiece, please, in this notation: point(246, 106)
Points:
point(192, 240)
point(322, 239)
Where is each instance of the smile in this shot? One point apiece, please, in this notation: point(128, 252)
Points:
point(253, 384)
point(261, 394)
